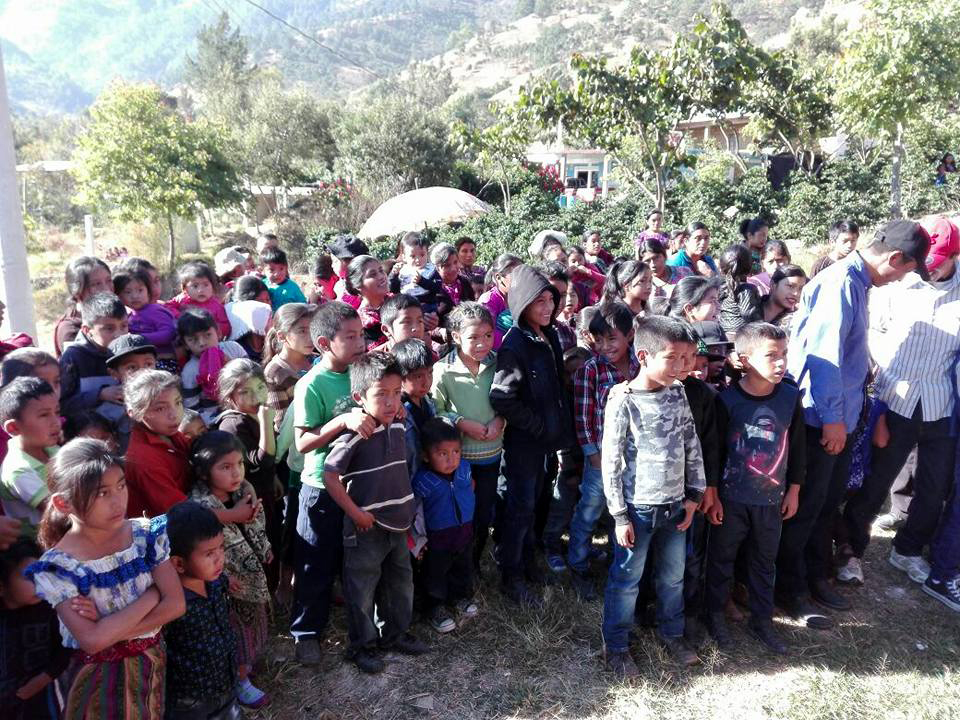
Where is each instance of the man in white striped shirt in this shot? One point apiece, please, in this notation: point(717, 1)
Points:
point(915, 344)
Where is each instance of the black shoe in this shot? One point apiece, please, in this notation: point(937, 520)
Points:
point(517, 591)
point(717, 624)
point(693, 631)
point(583, 586)
point(368, 661)
point(681, 654)
point(408, 644)
point(822, 592)
point(803, 609)
point(764, 632)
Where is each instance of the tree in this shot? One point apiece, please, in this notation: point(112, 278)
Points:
point(902, 60)
point(221, 70)
point(141, 157)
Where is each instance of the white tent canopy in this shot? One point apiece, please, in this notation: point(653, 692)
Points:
point(420, 209)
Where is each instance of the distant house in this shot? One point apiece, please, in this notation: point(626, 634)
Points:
point(702, 130)
point(585, 172)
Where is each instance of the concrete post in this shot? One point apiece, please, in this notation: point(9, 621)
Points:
point(90, 242)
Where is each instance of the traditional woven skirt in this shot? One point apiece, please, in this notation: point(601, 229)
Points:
point(123, 682)
point(250, 622)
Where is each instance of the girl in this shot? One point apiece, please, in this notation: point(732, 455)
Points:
point(146, 316)
point(754, 233)
point(695, 253)
point(629, 282)
point(136, 264)
point(123, 566)
point(653, 254)
point(775, 254)
point(324, 280)
point(495, 299)
point(366, 279)
point(695, 299)
point(91, 424)
point(455, 287)
point(596, 255)
point(86, 276)
point(249, 324)
point(200, 288)
point(653, 230)
point(739, 300)
point(218, 464)
point(585, 275)
point(785, 288)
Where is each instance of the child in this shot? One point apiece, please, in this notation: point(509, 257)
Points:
point(653, 479)
point(614, 363)
point(136, 264)
point(249, 324)
point(157, 464)
point(250, 287)
point(85, 276)
point(495, 299)
point(401, 318)
point(461, 393)
point(28, 411)
point(444, 486)
point(367, 280)
point(761, 422)
point(467, 252)
point(203, 639)
point(129, 354)
point(208, 354)
point(93, 425)
point(528, 392)
point(695, 299)
point(33, 656)
point(454, 289)
point(29, 362)
point(594, 251)
point(282, 288)
point(148, 317)
point(739, 300)
point(343, 249)
point(123, 567)
point(416, 367)
point(321, 405)
point(229, 264)
point(414, 275)
point(557, 275)
point(199, 290)
point(192, 425)
point(218, 464)
point(367, 477)
point(754, 233)
point(84, 380)
point(324, 281)
point(629, 282)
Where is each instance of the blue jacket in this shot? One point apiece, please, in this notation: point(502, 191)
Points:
point(681, 259)
point(828, 353)
point(446, 504)
point(83, 374)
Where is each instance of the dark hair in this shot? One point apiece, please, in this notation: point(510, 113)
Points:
point(101, 305)
point(734, 265)
point(689, 291)
point(23, 362)
point(232, 377)
point(188, 524)
point(754, 225)
point(461, 241)
point(843, 226)
point(609, 316)
point(74, 472)
point(123, 278)
point(194, 320)
point(577, 351)
point(576, 249)
point(21, 549)
point(654, 211)
point(438, 430)
point(323, 267)
point(550, 240)
point(76, 423)
point(15, 396)
point(273, 255)
point(589, 233)
point(414, 239)
point(556, 271)
point(207, 449)
point(786, 271)
point(77, 274)
point(694, 226)
point(468, 313)
point(412, 354)
point(329, 318)
point(779, 245)
point(248, 287)
point(651, 245)
point(372, 368)
point(197, 269)
point(135, 264)
point(655, 332)
point(284, 319)
point(692, 336)
point(619, 276)
point(394, 304)
point(751, 334)
point(354, 278)
point(504, 265)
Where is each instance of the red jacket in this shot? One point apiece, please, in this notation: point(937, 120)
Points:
point(157, 473)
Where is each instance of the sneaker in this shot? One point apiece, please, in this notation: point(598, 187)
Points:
point(517, 591)
point(441, 621)
point(946, 591)
point(803, 609)
point(822, 592)
point(467, 608)
point(914, 566)
point(622, 665)
point(583, 586)
point(368, 660)
point(765, 633)
point(408, 644)
point(556, 563)
point(851, 572)
point(307, 651)
point(679, 651)
point(888, 522)
point(249, 695)
point(719, 631)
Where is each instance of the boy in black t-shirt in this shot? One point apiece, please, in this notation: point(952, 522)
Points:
point(761, 422)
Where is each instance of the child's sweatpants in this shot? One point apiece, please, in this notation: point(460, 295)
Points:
point(523, 469)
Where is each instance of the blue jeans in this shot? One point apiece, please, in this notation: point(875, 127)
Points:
point(585, 515)
point(317, 559)
point(653, 526)
point(945, 548)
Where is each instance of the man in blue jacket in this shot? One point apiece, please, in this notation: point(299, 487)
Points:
point(829, 358)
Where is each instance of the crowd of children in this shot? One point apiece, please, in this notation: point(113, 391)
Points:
point(231, 453)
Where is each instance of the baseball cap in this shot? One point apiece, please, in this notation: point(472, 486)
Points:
point(347, 247)
point(908, 237)
point(128, 344)
point(944, 240)
point(228, 260)
point(712, 340)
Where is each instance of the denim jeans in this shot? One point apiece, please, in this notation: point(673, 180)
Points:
point(588, 510)
point(561, 509)
point(654, 528)
point(317, 559)
point(945, 548)
point(522, 469)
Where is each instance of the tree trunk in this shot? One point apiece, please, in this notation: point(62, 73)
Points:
point(173, 243)
point(895, 171)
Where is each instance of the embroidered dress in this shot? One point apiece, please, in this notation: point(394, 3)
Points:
point(125, 680)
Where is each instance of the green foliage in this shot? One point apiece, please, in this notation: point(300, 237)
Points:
point(221, 70)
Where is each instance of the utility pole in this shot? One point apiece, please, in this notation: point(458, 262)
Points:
point(15, 288)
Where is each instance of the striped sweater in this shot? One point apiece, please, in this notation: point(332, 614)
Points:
point(458, 393)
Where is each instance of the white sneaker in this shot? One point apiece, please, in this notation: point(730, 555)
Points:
point(915, 566)
point(467, 608)
point(888, 522)
point(851, 572)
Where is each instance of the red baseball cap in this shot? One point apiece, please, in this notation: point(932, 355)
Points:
point(944, 240)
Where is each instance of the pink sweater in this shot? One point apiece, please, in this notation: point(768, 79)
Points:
point(213, 306)
point(496, 303)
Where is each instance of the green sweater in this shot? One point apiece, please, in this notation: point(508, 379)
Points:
point(458, 393)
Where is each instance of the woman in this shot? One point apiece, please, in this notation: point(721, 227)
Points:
point(653, 254)
point(653, 230)
point(695, 253)
point(786, 284)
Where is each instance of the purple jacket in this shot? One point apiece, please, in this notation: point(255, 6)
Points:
point(157, 324)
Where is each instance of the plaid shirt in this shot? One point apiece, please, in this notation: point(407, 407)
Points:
point(591, 384)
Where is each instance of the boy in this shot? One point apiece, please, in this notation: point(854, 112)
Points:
point(653, 479)
point(322, 411)
point(761, 422)
point(84, 380)
point(28, 411)
point(401, 317)
point(366, 475)
point(416, 366)
point(128, 354)
point(614, 363)
point(282, 288)
point(445, 488)
point(413, 277)
point(527, 392)
point(198, 330)
point(201, 669)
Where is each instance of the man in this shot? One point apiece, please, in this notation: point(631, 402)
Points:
point(828, 356)
point(915, 353)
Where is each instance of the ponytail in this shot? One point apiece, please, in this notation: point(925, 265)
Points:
point(53, 526)
point(751, 226)
point(283, 321)
point(619, 276)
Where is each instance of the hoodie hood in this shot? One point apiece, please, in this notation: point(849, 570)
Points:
point(526, 284)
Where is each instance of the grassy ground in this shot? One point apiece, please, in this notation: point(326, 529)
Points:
point(894, 656)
